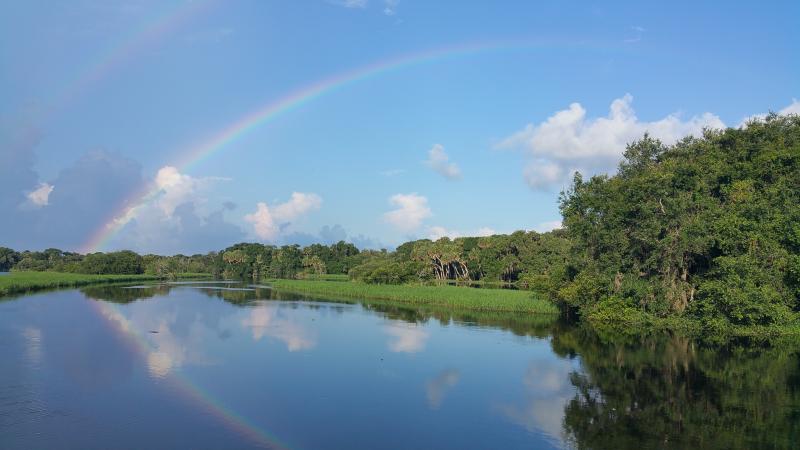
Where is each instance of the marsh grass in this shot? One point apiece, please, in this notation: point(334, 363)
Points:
point(22, 282)
point(444, 296)
point(326, 277)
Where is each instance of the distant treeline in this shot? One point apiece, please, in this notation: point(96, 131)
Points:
point(526, 257)
point(123, 262)
point(707, 228)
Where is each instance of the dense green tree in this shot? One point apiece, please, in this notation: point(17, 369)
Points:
point(8, 259)
point(706, 227)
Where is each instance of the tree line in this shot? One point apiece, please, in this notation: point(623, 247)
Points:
point(706, 228)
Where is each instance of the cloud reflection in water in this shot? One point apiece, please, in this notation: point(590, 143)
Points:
point(406, 338)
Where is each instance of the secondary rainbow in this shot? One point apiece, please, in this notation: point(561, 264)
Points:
point(125, 48)
point(274, 109)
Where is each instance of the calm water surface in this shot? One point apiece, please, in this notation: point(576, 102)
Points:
point(229, 366)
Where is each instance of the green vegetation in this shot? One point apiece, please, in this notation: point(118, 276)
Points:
point(21, 282)
point(529, 259)
point(441, 296)
point(702, 236)
point(257, 261)
point(326, 277)
point(665, 391)
point(707, 230)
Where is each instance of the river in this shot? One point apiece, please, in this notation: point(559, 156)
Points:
point(223, 365)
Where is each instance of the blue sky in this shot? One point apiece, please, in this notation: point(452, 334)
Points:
point(100, 101)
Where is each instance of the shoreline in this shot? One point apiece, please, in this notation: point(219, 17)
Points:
point(14, 283)
point(451, 297)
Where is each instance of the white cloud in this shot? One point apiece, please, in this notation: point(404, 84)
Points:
point(176, 188)
point(268, 223)
point(793, 108)
point(176, 216)
point(41, 195)
point(544, 227)
point(411, 210)
point(568, 141)
point(299, 204)
point(170, 189)
point(440, 162)
point(263, 224)
point(437, 232)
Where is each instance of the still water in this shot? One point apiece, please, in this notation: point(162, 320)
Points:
point(212, 365)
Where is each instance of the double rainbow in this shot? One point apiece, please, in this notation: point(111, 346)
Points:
point(274, 109)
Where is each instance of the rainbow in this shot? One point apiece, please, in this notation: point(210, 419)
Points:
point(123, 50)
point(275, 109)
point(183, 385)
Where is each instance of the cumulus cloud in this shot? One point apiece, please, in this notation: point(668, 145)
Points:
point(411, 210)
point(177, 188)
point(437, 232)
point(298, 205)
point(83, 196)
point(568, 141)
point(41, 195)
point(177, 217)
point(264, 225)
point(439, 161)
point(269, 222)
point(186, 231)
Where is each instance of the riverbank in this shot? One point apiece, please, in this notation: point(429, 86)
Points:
point(609, 322)
point(464, 298)
point(23, 282)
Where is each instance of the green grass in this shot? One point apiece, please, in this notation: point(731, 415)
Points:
point(454, 297)
point(327, 277)
point(22, 282)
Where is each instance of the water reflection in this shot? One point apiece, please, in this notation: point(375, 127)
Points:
point(406, 338)
point(547, 389)
point(33, 337)
point(475, 380)
point(437, 387)
point(670, 392)
point(264, 321)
